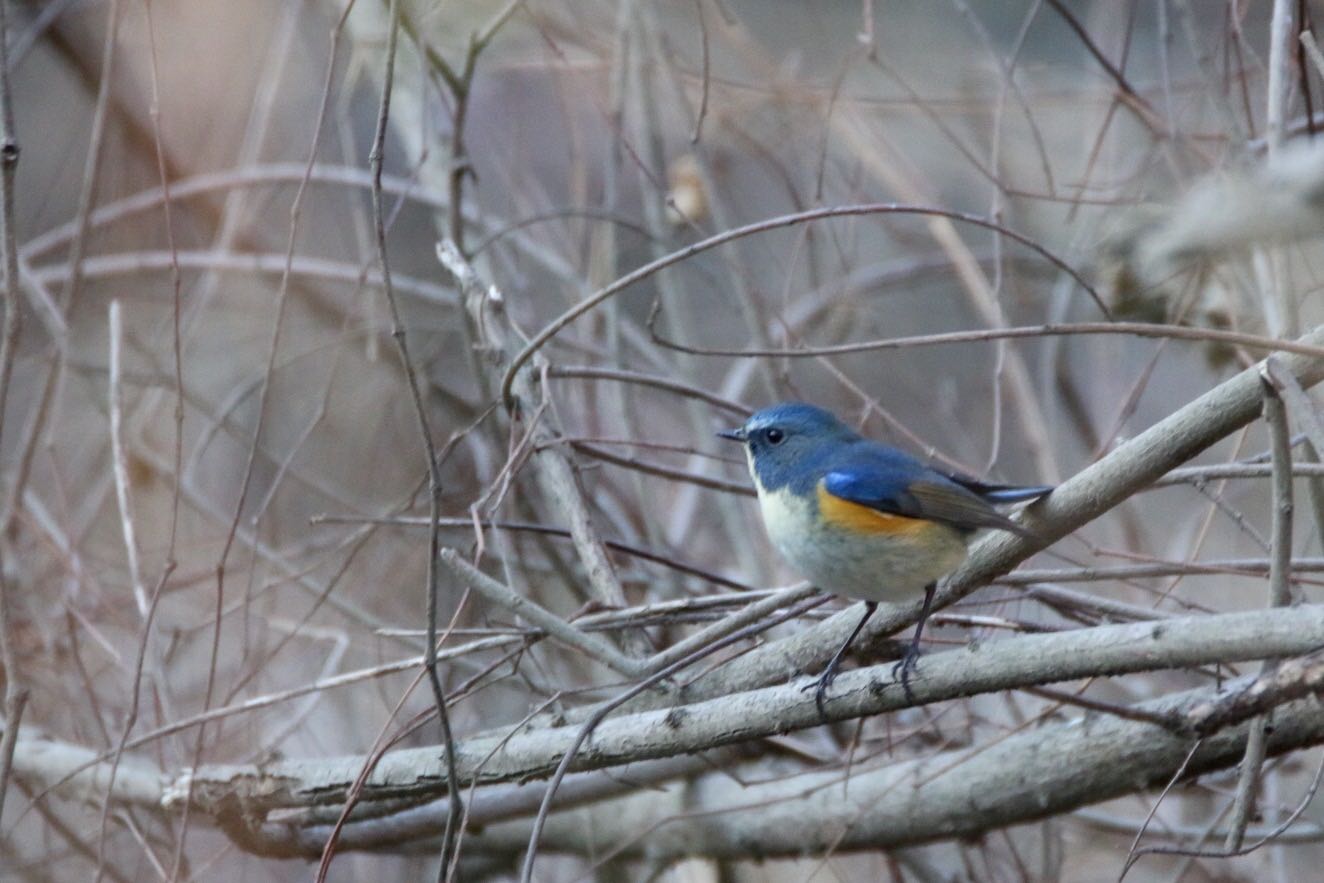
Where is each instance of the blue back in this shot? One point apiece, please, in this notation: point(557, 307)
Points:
point(794, 446)
point(817, 443)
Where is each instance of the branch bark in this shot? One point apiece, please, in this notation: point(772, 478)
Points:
point(961, 793)
point(978, 668)
point(1077, 501)
point(556, 473)
point(957, 794)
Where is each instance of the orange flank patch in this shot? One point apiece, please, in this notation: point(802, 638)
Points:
point(862, 519)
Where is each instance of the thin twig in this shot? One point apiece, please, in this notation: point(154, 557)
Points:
point(738, 620)
point(594, 372)
point(528, 609)
point(376, 159)
point(1197, 474)
point(1126, 329)
point(1125, 712)
point(1237, 566)
point(16, 696)
point(136, 263)
point(119, 458)
point(176, 291)
point(704, 74)
point(16, 701)
point(1133, 100)
point(1133, 854)
point(1280, 595)
point(1304, 415)
point(633, 551)
point(92, 165)
point(282, 298)
point(557, 474)
point(1267, 836)
point(204, 183)
point(460, 85)
point(131, 717)
point(380, 745)
point(679, 475)
point(624, 282)
point(146, 606)
point(526, 873)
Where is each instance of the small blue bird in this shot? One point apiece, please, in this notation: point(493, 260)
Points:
point(862, 519)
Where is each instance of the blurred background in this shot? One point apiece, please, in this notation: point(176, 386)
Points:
point(205, 166)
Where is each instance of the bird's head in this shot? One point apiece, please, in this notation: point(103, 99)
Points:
point(785, 441)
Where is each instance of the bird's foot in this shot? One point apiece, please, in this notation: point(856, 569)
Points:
point(820, 686)
point(901, 671)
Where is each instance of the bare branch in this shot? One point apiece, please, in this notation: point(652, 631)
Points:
point(1081, 498)
point(1280, 595)
point(523, 607)
point(964, 793)
point(16, 696)
point(556, 473)
point(978, 668)
point(624, 282)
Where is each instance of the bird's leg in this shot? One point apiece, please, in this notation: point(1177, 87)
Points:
point(903, 668)
point(830, 673)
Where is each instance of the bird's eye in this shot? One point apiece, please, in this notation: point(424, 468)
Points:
point(776, 436)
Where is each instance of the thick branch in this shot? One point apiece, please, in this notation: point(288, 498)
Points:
point(978, 668)
point(964, 793)
point(1077, 501)
point(960, 794)
point(415, 825)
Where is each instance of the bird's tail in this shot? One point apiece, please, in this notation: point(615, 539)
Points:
point(1002, 493)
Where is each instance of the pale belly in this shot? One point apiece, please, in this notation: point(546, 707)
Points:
point(866, 566)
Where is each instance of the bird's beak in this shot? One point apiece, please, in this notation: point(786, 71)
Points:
point(737, 434)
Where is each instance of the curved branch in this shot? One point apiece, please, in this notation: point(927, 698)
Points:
point(977, 668)
point(1080, 499)
point(961, 794)
point(1049, 770)
point(624, 282)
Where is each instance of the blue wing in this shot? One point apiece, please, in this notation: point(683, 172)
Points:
point(878, 485)
point(893, 482)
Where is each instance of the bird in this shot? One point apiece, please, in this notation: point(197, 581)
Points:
point(862, 519)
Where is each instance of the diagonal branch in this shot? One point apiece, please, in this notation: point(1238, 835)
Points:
point(1280, 595)
point(961, 795)
point(530, 611)
point(555, 471)
point(978, 668)
point(1030, 775)
point(1077, 501)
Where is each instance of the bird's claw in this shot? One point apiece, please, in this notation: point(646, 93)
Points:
point(820, 687)
point(901, 671)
